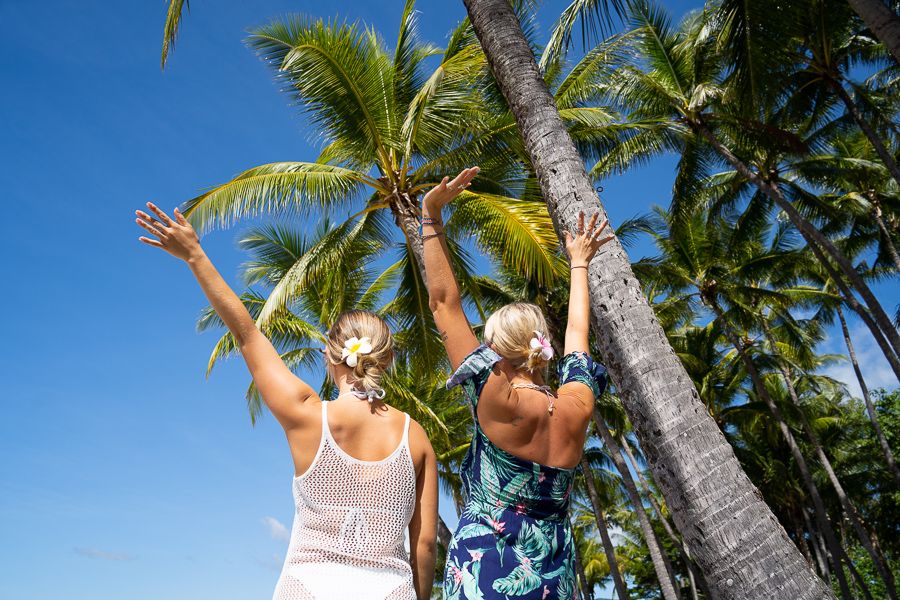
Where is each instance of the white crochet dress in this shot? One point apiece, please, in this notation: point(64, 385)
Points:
point(347, 542)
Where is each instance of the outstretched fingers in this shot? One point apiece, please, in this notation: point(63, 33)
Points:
point(153, 226)
point(159, 213)
point(149, 242)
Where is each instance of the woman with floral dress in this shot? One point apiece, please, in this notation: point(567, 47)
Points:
point(514, 541)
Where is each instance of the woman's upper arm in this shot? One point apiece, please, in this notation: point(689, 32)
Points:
point(453, 325)
point(423, 525)
point(281, 390)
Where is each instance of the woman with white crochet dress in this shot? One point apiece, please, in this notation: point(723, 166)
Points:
point(365, 472)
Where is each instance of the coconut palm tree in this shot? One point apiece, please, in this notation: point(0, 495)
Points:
point(696, 473)
point(678, 98)
point(389, 127)
point(720, 262)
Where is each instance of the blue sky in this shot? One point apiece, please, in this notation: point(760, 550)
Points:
point(125, 473)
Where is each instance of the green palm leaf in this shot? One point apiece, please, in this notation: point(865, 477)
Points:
point(519, 232)
point(275, 187)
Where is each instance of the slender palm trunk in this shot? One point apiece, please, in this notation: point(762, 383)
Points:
point(586, 592)
point(885, 232)
point(866, 128)
point(851, 301)
point(663, 570)
point(608, 548)
point(869, 542)
point(883, 22)
point(715, 506)
point(834, 548)
point(870, 407)
point(406, 216)
point(695, 577)
point(811, 234)
point(818, 546)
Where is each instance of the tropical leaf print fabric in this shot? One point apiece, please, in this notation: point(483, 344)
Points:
point(513, 541)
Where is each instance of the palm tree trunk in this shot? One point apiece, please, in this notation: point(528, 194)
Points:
point(818, 546)
point(586, 592)
point(406, 216)
point(683, 550)
point(883, 22)
point(811, 234)
point(866, 127)
point(834, 548)
point(885, 233)
point(715, 506)
point(870, 543)
point(851, 301)
point(608, 547)
point(870, 407)
point(663, 570)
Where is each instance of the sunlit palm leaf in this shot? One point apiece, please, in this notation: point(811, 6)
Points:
point(170, 30)
point(340, 74)
point(519, 232)
point(275, 188)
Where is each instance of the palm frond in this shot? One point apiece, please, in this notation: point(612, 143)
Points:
point(275, 188)
point(519, 232)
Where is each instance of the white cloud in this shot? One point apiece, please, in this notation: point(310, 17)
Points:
point(874, 366)
point(276, 529)
point(102, 554)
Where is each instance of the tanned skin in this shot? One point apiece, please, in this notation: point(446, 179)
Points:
point(516, 419)
point(365, 431)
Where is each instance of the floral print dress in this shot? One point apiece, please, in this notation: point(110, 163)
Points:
point(514, 540)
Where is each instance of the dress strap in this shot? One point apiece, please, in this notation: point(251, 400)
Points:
point(326, 430)
point(405, 438)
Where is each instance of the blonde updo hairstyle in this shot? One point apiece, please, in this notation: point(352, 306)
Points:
point(369, 367)
point(509, 331)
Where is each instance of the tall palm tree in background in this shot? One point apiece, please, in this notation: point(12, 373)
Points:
point(702, 476)
point(390, 129)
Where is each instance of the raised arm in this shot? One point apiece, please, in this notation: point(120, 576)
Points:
point(444, 297)
point(581, 249)
point(281, 390)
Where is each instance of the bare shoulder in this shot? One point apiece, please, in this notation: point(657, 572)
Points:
point(419, 444)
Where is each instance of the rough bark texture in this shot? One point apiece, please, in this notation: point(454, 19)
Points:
point(870, 407)
point(883, 22)
point(608, 547)
point(740, 546)
point(695, 577)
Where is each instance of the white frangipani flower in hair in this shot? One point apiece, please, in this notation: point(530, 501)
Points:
point(354, 347)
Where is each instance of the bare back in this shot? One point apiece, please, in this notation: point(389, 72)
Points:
point(364, 431)
point(518, 421)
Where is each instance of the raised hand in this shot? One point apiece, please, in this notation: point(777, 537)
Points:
point(175, 236)
point(584, 244)
point(443, 193)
